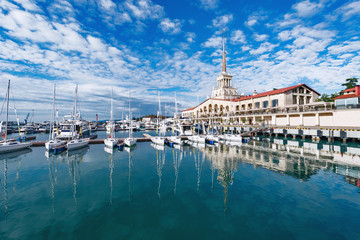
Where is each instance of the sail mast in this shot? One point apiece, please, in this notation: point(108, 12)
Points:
point(7, 110)
point(52, 119)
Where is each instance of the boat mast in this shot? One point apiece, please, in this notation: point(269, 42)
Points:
point(52, 119)
point(76, 90)
point(111, 116)
point(7, 110)
point(130, 125)
point(176, 109)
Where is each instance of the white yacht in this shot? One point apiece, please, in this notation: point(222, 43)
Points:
point(158, 140)
point(111, 141)
point(10, 146)
point(53, 142)
point(130, 141)
point(77, 143)
point(175, 139)
point(75, 123)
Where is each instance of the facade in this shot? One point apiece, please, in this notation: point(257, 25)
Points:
point(295, 106)
point(349, 99)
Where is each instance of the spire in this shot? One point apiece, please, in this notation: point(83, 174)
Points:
point(224, 54)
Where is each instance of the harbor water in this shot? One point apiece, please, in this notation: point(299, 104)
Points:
point(247, 191)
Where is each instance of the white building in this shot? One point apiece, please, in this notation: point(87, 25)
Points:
point(296, 106)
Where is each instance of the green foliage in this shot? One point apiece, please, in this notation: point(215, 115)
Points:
point(350, 83)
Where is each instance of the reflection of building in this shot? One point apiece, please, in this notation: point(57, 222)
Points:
point(291, 106)
point(295, 161)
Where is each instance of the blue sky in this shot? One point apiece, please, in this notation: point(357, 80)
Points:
point(169, 46)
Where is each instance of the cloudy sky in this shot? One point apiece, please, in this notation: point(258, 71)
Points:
point(152, 46)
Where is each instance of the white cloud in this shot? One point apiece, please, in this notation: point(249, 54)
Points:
point(251, 22)
point(307, 8)
point(107, 4)
point(238, 36)
point(190, 37)
point(209, 4)
point(255, 18)
point(144, 9)
point(28, 5)
point(213, 42)
point(222, 21)
point(264, 47)
point(260, 37)
point(346, 47)
point(350, 9)
point(170, 26)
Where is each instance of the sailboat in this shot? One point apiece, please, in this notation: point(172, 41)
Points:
point(130, 141)
point(159, 140)
point(53, 142)
point(10, 146)
point(76, 142)
point(111, 141)
point(175, 139)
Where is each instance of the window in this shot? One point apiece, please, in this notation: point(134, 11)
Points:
point(257, 105)
point(301, 90)
point(265, 104)
point(340, 102)
point(274, 103)
point(294, 99)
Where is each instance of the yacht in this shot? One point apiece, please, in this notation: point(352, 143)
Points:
point(77, 143)
point(10, 146)
point(111, 141)
point(73, 125)
point(130, 141)
point(53, 142)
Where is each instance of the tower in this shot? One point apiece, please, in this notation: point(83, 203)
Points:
point(224, 89)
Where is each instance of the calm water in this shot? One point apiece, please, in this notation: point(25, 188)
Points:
point(224, 192)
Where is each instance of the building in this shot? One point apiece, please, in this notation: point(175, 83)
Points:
point(296, 106)
point(349, 99)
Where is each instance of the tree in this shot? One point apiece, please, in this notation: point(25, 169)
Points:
point(350, 83)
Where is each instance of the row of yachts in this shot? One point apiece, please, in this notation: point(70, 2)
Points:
point(209, 139)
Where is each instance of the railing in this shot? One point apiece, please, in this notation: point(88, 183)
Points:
point(270, 111)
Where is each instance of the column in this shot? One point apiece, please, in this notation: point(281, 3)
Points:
point(273, 120)
point(317, 119)
point(287, 119)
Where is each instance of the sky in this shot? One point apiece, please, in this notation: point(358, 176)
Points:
point(168, 47)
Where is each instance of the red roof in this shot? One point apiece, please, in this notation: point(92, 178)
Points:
point(273, 92)
point(349, 90)
point(203, 102)
point(347, 96)
point(189, 109)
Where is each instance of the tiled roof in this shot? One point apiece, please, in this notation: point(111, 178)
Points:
point(273, 92)
point(347, 96)
point(189, 109)
point(349, 90)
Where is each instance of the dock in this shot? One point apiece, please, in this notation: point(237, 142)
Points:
point(92, 141)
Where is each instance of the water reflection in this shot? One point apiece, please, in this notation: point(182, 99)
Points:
point(160, 162)
point(7, 158)
point(111, 169)
point(177, 158)
point(130, 150)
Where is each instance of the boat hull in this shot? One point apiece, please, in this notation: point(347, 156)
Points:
point(53, 144)
point(77, 143)
point(130, 142)
point(158, 140)
point(111, 142)
point(13, 146)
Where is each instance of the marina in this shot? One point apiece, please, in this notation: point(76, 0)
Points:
point(167, 120)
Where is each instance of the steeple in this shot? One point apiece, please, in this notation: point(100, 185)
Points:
point(224, 54)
